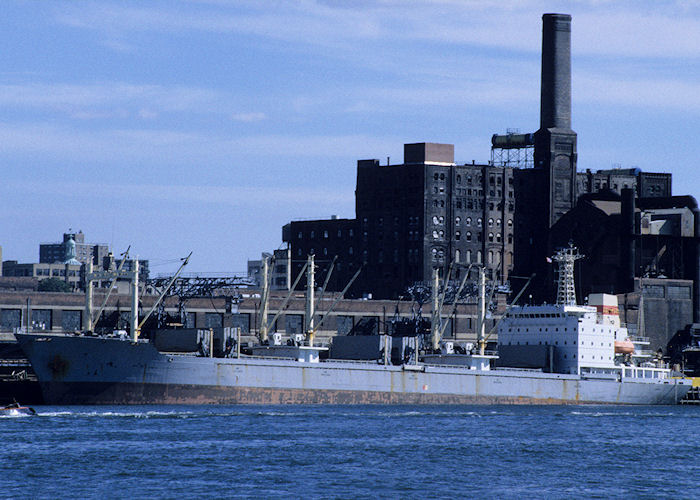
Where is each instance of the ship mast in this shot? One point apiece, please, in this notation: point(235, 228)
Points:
point(310, 282)
point(435, 313)
point(264, 299)
point(134, 317)
point(565, 259)
point(481, 311)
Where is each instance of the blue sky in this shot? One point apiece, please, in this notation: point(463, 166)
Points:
point(205, 126)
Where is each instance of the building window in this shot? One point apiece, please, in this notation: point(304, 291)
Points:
point(457, 235)
point(469, 256)
point(459, 179)
point(313, 234)
point(340, 233)
point(301, 235)
point(478, 222)
point(325, 234)
point(442, 177)
point(490, 222)
point(469, 221)
point(349, 250)
point(491, 237)
point(469, 235)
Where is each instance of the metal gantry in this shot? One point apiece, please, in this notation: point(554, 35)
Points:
point(189, 287)
point(565, 259)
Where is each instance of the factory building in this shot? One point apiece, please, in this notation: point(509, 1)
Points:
point(425, 213)
point(430, 212)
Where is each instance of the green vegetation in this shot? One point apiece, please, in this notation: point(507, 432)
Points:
point(54, 285)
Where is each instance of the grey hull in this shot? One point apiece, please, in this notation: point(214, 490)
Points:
point(89, 370)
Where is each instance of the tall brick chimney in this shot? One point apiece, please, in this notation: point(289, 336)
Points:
point(555, 103)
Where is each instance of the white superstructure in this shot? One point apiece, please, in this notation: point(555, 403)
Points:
point(570, 338)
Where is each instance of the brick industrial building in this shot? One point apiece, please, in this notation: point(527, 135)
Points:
point(510, 214)
point(430, 212)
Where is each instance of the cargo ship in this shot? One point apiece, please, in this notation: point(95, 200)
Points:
point(562, 353)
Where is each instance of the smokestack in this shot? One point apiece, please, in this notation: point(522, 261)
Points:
point(555, 100)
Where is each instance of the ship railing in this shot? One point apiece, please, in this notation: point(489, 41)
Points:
point(509, 368)
point(644, 372)
point(283, 358)
point(638, 339)
point(14, 362)
point(646, 353)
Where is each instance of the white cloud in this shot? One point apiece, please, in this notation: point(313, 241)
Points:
point(641, 29)
point(230, 196)
point(59, 96)
point(249, 117)
point(659, 93)
point(163, 146)
point(120, 100)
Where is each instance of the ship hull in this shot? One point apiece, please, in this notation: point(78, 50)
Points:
point(89, 370)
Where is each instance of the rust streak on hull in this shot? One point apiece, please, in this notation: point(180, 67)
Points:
point(127, 394)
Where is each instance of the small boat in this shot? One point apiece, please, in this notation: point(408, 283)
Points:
point(16, 410)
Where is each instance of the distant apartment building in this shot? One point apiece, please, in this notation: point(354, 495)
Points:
point(70, 273)
point(56, 252)
point(280, 267)
point(109, 263)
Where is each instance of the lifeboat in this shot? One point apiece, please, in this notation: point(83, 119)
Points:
point(624, 346)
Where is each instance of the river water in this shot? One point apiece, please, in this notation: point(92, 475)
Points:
point(352, 452)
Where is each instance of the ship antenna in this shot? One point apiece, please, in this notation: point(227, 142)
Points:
point(565, 258)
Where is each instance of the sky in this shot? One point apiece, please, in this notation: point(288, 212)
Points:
point(205, 126)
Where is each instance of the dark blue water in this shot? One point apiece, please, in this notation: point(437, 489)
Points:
point(352, 452)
